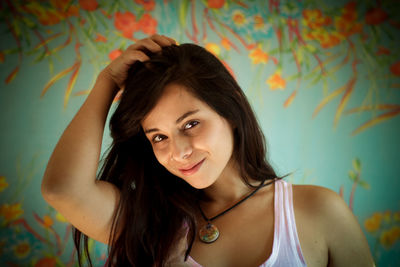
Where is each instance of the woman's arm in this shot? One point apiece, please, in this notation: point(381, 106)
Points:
point(332, 233)
point(69, 183)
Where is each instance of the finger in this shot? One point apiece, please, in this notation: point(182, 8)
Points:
point(162, 40)
point(146, 45)
point(134, 55)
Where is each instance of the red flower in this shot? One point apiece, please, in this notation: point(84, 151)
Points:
point(395, 68)
point(100, 38)
point(126, 22)
point(215, 3)
point(114, 54)
point(375, 16)
point(89, 5)
point(148, 24)
point(148, 5)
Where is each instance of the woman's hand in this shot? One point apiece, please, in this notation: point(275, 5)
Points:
point(117, 70)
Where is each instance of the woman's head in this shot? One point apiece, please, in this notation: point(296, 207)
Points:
point(201, 75)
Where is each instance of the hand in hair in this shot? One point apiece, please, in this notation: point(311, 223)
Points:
point(117, 70)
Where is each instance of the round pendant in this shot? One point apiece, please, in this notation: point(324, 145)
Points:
point(208, 233)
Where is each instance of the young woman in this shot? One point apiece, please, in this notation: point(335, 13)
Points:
point(185, 181)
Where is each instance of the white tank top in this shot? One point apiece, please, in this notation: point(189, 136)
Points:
point(286, 250)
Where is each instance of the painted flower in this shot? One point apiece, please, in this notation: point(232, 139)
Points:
point(373, 223)
point(22, 249)
point(258, 22)
point(88, 5)
point(3, 183)
point(276, 81)
point(314, 19)
point(389, 237)
point(375, 16)
point(382, 51)
point(213, 48)
point(114, 54)
point(346, 24)
point(258, 56)
point(148, 5)
point(11, 212)
point(226, 43)
point(50, 17)
point(396, 216)
point(47, 221)
point(46, 262)
point(148, 24)
point(215, 3)
point(238, 18)
point(2, 57)
point(126, 23)
point(100, 38)
point(60, 218)
point(395, 68)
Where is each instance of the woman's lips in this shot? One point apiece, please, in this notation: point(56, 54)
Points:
point(193, 169)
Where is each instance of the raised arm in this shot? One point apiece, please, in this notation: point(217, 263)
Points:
point(69, 183)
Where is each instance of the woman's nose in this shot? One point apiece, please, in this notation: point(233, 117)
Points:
point(181, 148)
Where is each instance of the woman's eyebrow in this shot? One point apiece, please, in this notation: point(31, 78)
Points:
point(187, 114)
point(181, 118)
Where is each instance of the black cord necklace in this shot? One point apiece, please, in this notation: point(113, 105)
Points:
point(209, 232)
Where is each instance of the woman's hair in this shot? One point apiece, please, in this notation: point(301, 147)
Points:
point(156, 208)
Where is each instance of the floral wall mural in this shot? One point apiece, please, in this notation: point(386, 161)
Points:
point(322, 76)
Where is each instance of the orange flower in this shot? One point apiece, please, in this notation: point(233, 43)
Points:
point(226, 43)
point(46, 262)
point(11, 212)
point(100, 38)
point(89, 5)
point(258, 56)
point(215, 3)
point(47, 221)
point(375, 16)
point(114, 54)
point(258, 22)
point(148, 24)
point(22, 249)
point(346, 24)
point(213, 48)
point(50, 17)
point(276, 81)
point(148, 5)
point(126, 22)
point(373, 223)
point(238, 18)
point(314, 19)
point(389, 237)
point(395, 68)
point(3, 183)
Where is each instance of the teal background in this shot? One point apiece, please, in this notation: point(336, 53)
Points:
point(38, 43)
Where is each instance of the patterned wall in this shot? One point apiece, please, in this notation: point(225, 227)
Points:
point(323, 77)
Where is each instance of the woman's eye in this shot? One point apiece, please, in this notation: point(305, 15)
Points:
point(190, 124)
point(158, 138)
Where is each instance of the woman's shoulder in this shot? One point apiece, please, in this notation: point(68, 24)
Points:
point(319, 201)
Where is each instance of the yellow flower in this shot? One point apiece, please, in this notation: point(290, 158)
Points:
point(60, 218)
point(389, 237)
point(373, 223)
point(387, 216)
point(238, 18)
point(213, 48)
point(3, 183)
point(11, 212)
point(396, 216)
point(276, 81)
point(258, 56)
point(22, 249)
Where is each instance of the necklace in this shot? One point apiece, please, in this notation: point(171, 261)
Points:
point(209, 232)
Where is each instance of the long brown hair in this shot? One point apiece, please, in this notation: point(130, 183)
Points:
point(154, 204)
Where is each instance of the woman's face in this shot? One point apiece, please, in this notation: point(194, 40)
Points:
point(188, 137)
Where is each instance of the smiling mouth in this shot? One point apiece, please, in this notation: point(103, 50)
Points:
point(193, 169)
